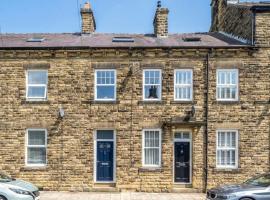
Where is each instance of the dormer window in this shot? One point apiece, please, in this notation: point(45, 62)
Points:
point(152, 85)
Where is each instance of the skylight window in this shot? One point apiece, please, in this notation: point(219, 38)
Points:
point(192, 39)
point(36, 39)
point(123, 39)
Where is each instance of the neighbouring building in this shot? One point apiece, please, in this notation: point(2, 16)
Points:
point(143, 112)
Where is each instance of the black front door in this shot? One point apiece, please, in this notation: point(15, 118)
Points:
point(182, 162)
point(105, 161)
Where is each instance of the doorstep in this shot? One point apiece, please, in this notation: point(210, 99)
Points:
point(184, 188)
point(104, 187)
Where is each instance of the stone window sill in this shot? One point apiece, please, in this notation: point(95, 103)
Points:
point(104, 102)
point(150, 169)
point(227, 102)
point(182, 102)
point(34, 168)
point(35, 101)
point(151, 102)
point(233, 170)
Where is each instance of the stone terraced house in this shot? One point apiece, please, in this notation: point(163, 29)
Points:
point(142, 112)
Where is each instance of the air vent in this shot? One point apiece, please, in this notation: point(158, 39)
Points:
point(36, 39)
point(192, 39)
point(123, 39)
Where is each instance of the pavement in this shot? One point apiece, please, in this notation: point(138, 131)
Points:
point(119, 196)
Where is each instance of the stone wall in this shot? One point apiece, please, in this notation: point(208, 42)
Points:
point(233, 19)
point(262, 36)
point(71, 142)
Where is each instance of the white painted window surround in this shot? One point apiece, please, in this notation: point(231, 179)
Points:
point(227, 85)
point(183, 85)
point(36, 84)
point(227, 149)
point(152, 84)
point(105, 85)
point(151, 148)
point(36, 147)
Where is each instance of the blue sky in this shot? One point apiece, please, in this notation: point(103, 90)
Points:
point(112, 16)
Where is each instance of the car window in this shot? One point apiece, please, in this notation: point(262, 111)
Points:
point(5, 178)
point(262, 180)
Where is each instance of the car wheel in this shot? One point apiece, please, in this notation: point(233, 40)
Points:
point(2, 197)
point(246, 198)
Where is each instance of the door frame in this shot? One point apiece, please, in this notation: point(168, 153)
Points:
point(190, 154)
point(114, 155)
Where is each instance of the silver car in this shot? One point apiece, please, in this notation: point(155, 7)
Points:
point(257, 188)
point(13, 189)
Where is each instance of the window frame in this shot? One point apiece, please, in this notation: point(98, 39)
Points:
point(160, 90)
point(45, 97)
point(183, 85)
point(226, 85)
point(143, 148)
point(218, 166)
point(35, 146)
point(115, 85)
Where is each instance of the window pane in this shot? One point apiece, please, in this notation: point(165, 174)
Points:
point(152, 92)
point(36, 155)
point(233, 139)
point(105, 77)
point(228, 139)
point(151, 156)
point(233, 160)
point(233, 78)
point(228, 77)
point(105, 92)
point(37, 77)
point(221, 139)
point(178, 135)
point(222, 158)
point(151, 138)
point(105, 134)
point(36, 137)
point(36, 91)
point(186, 135)
point(233, 93)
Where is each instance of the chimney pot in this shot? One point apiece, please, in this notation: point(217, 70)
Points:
point(87, 5)
point(159, 4)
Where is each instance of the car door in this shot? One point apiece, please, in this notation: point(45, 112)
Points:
point(263, 194)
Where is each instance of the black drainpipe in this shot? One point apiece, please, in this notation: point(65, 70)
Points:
point(253, 28)
point(206, 122)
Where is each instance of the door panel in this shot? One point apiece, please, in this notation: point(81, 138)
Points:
point(182, 162)
point(105, 161)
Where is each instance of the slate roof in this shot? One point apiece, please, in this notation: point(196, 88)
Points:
point(99, 40)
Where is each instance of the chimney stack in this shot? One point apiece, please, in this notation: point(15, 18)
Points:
point(161, 21)
point(88, 19)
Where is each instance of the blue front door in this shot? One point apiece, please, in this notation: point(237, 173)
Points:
point(105, 161)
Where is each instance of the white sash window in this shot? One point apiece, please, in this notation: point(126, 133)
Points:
point(227, 84)
point(36, 84)
point(183, 85)
point(152, 148)
point(227, 149)
point(36, 147)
